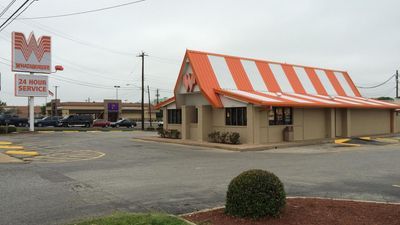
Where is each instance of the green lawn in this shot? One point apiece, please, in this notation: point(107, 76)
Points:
point(134, 219)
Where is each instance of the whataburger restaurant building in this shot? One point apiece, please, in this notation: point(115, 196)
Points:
point(259, 99)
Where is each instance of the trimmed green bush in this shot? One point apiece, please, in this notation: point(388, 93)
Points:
point(5, 130)
point(255, 194)
point(163, 133)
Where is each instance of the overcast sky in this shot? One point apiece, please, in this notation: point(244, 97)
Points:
point(99, 49)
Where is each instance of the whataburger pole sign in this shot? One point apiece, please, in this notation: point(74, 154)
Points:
point(33, 56)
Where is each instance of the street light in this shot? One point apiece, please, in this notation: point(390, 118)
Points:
point(116, 89)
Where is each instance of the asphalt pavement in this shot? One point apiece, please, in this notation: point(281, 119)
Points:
point(81, 175)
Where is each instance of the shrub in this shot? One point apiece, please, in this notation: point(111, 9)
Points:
point(224, 137)
point(234, 138)
point(7, 130)
point(163, 133)
point(214, 136)
point(255, 194)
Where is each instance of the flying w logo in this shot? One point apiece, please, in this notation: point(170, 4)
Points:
point(189, 81)
point(39, 47)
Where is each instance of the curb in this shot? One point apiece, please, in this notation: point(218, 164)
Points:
point(302, 197)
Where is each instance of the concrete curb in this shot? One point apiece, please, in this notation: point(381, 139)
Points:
point(240, 148)
point(302, 197)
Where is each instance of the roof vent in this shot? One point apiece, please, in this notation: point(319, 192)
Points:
point(279, 94)
point(332, 97)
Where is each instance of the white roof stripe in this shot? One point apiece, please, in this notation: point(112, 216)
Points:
point(323, 77)
point(222, 72)
point(357, 100)
point(288, 97)
point(254, 96)
point(254, 75)
point(305, 80)
point(345, 85)
point(339, 100)
point(315, 99)
point(281, 78)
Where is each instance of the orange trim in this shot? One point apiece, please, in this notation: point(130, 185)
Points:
point(206, 77)
point(339, 89)
point(316, 81)
point(268, 76)
point(239, 75)
point(351, 84)
point(293, 79)
point(164, 103)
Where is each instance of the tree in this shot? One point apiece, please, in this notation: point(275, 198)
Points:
point(385, 99)
point(2, 105)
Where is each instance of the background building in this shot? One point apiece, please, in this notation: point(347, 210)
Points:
point(111, 110)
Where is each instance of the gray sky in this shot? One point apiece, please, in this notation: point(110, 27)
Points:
point(361, 37)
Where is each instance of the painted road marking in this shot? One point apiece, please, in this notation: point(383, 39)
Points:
point(5, 143)
point(11, 147)
point(395, 185)
point(46, 132)
point(30, 153)
point(67, 156)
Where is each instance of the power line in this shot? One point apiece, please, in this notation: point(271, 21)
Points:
point(12, 18)
point(82, 12)
point(375, 86)
point(7, 7)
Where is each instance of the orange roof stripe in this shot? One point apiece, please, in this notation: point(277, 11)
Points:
point(315, 81)
point(335, 83)
point(268, 76)
point(293, 79)
point(238, 74)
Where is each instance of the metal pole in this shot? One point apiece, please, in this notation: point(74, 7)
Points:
point(56, 103)
point(148, 89)
point(31, 101)
point(397, 83)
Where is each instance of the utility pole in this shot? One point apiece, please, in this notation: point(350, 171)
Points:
point(397, 83)
point(142, 55)
point(56, 101)
point(158, 95)
point(148, 89)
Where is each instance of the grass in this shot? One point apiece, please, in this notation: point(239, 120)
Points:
point(134, 219)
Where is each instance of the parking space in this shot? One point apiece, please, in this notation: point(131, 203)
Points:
point(80, 174)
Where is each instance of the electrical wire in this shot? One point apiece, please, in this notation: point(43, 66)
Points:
point(12, 18)
point(7, 7)
point(82, 12)
point(375, 86)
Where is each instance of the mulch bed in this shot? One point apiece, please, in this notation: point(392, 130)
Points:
point(312, 212)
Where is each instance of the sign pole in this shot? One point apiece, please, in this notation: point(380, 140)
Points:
point(31, 100)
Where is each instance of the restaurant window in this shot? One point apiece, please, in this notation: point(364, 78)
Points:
point(280, 116)
point(236, 116)
point(174, 116)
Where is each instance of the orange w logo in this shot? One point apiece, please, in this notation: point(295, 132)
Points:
point(189, 81)
point(27, 47)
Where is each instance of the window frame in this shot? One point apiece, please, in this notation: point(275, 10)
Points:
point(236, 116)
point(174, 116)
point(280, 116)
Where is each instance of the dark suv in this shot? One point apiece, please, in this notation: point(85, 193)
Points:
point(76, 120)
point(49, 121)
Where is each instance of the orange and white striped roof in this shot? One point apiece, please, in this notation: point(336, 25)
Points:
point(274, 84)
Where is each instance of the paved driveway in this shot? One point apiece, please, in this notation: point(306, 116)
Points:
point(88, 174)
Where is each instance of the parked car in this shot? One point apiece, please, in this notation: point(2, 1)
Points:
point(13, 120)
point(124, 123)
point(101, 123)
point(49, 121)
point(76, 120)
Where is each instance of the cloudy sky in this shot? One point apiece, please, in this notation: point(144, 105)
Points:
point(98, 50)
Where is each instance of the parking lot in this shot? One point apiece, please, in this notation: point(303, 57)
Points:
point(83, 174)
